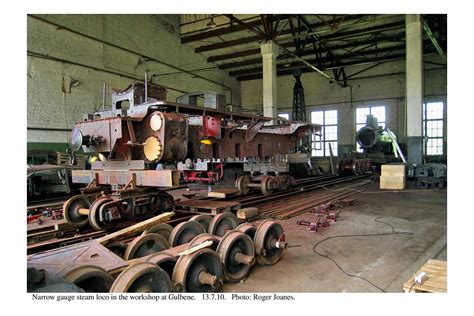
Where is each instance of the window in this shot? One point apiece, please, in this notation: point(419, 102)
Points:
point(433, 128)
point(361, 118)
point(320, 145)
point(284, 115)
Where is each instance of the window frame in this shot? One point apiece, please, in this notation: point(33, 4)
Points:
point(424, 123)
point(323, 140)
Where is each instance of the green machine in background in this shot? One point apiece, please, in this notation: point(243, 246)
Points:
point(379, 143)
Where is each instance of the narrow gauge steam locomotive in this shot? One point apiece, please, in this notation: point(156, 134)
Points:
point(145, 143)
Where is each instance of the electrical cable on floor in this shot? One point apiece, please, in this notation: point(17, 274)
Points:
point(377, 219)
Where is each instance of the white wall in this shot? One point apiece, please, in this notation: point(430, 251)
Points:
point(154, 35)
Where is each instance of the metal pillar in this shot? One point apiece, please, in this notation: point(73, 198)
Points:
point(269, 54)
point(414, 87)
point(299, 109)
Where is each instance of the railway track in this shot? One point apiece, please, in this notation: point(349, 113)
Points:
point(279, 205)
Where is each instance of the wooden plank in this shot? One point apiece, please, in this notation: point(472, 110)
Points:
point(436, 278)
point(248, 212)
point(135, 229)
point(222, 193)
point(392, 183)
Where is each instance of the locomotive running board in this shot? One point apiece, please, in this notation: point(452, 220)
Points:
point(149, 178)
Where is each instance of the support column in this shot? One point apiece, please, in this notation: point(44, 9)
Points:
point(414, 87)
point(269, 54)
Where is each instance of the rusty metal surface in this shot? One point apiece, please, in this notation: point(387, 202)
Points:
point(141, 277)
point(189, 267)
point(60, 261)
point(185, 232)
point(222, 223)
point(145, 245)
point(232, 247)
point(202, 219)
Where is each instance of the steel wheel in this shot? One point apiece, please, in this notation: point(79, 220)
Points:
point(165, 261)
point(161, 229)
point(200, 271)
point(71, 210)
point(237, 254)
point(118, 247)
point(142, 277)
point(268, 185)
point(199, 239)
point(241, 183)
point(162, 202)
point(90, 278)
point(145, 245)
point(203, 219)
point(95, 210)
point(267, 235)
point(222, 223)
point(185, 232)
point(248, 229)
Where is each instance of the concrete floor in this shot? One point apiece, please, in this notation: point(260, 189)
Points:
point(387, 261)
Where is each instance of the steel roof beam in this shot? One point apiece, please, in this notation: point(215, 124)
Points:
point(297, 64)
point(251, 39)
point(308, 52)
point(335, 36)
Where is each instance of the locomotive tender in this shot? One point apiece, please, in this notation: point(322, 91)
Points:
point(146, 143)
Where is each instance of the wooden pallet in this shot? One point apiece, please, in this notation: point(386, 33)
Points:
point(436, 282)
point(208, 206)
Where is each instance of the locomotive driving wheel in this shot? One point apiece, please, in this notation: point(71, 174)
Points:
point(74, 210)
point(203, 219)
point(237, 254)
point(164, 261)
point(221, 223)
point(162, 229)
point(90, 278)
point(145, 245)
point(94, 219)
point(142, 277)
point(241, 183)
point(269, 242)
point(199, 239)
point(200, 271)
point(185, 232)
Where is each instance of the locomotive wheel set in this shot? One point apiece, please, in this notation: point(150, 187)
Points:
point(103, 212)
point(186, 258)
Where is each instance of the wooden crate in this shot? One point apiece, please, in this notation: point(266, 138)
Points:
point(392, 183)
point(436, 281)
point(393, 170)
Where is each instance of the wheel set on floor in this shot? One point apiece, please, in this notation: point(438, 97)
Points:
point(186, 258)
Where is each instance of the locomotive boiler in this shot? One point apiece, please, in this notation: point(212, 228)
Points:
point(145, 144)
